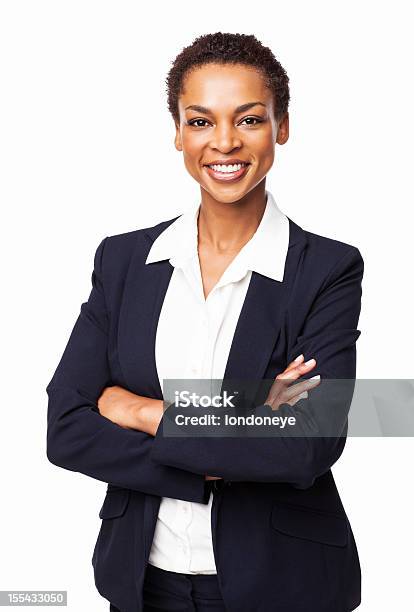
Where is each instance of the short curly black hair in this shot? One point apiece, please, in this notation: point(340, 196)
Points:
point(226, 48)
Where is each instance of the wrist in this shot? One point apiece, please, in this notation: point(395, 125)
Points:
point(146, 414)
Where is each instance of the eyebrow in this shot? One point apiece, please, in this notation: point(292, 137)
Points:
point(239, 109)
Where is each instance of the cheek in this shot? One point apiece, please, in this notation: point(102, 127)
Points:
point(191, 161)
point(262, 145)
point(269, 157)
point(192, 144)
point(265, 156)
point(268, 147)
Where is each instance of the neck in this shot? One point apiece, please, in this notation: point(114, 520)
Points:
point(224, 227)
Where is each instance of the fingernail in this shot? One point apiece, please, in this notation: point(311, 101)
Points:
point(299, 358)
point(315, 377)
point(310, 361)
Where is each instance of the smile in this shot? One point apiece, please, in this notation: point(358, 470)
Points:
point(226, 173)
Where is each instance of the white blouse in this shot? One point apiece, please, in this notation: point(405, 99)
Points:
point(193, 340)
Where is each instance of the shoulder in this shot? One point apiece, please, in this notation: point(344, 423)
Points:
point(323, 246)
point(114, 252)
point(325, 258)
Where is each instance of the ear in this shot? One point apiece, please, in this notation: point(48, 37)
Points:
point(283, 131)
point(177, 139)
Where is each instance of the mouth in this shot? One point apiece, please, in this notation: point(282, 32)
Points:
point(226, 173)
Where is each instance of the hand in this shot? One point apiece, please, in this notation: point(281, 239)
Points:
point(281, 393)
point(118, 405)
point(130, 410)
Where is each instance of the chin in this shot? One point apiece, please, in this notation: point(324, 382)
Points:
point(228, 195)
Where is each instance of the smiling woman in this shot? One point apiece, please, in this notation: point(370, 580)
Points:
point(230, 289)
point(211, 126)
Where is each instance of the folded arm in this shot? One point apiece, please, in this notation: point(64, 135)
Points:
point(79, 438)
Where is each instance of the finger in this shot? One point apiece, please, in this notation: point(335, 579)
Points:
point(295, 362)
point(298, 370)
point(286, 393)
point(299, 362)
point(299, 391)
point(300, 387)
point(292, 372)
point(283, 379)
point(296, 399)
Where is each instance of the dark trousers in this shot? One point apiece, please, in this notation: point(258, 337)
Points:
point(176, 592)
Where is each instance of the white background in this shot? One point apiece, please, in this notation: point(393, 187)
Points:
point(87, 151)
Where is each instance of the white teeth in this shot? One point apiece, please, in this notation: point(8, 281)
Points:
point(226, 169)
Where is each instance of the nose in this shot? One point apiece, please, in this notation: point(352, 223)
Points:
point(225, 138)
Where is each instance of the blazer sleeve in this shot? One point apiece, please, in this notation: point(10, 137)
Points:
point(79, 438)
point(329, 335)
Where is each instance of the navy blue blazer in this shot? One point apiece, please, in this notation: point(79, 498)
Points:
point(282, 540)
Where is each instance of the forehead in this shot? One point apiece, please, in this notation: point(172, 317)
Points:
point(228, 85)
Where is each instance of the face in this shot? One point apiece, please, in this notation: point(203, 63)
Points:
point(227, 120)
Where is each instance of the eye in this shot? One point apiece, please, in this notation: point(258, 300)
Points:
point(252, 119)
point(194, 121)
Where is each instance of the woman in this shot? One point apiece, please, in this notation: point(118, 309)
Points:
point(230, 289)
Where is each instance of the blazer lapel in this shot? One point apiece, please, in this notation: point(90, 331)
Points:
point(260, 323)
point(262, 315)
point(256, 333)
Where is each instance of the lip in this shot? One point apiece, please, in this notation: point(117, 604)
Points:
point(228, 177)
point(225, 162)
